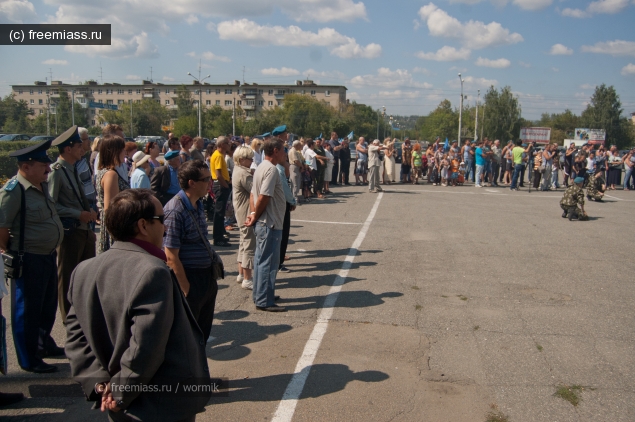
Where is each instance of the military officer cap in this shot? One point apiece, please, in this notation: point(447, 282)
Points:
point(33, 153)
point(578, 180)
point(279, 130)
point(258, 137)
point(170, 155)
point(68, 138)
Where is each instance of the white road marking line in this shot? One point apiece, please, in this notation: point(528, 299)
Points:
point(493, 191)
point(325, 222)
point(614, 197)
point(286, 408)
point(472, 193)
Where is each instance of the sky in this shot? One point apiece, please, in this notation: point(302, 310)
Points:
point(404, 55)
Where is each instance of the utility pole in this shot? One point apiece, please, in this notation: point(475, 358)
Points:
point(483, 122)
point(131, 133)
point(377, 123)
point(48, 113)
point(73, 106)
point(200, 94)
point(460, 108)
point(383, 119)
point(234, 118)
point(476, 123)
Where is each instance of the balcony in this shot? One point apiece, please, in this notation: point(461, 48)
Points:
point(148, 95)
point(279, 96)
point(249, 107)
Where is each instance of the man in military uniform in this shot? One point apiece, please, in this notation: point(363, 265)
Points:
point(574, 196)
point(34, 292)
point(74, 211)
point(596, 186)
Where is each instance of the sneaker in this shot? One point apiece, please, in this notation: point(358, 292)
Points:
point(284, 269)
point(272, 308)
point(248, 285)
point(478, 186)
point(240, 278)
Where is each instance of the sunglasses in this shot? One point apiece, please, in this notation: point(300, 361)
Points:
point(161, 218)
point(205, 179)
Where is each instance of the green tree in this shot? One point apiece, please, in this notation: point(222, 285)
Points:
point(14, 114)
point(184, 102)
point(605, 112)
point(562, 125)
point(442, 121)
point(502, 114)
point(64, 110)
point(147, 117)
point(38, 125)
point(186, 125)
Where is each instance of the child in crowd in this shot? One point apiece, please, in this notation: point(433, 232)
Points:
point(461, 178)
point(445, 164)
point(417, 162)
point(306, 183)
point(454, 167)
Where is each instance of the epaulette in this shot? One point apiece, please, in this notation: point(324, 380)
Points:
point(10, 185)
point(56, 166)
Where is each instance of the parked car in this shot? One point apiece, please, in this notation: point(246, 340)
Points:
point(42, 138)
point(15, 137)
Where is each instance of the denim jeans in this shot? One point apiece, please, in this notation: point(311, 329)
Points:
point(479, 173)
point(266, 262)
point(469, 169)
point(518, 168)
point(627, 176)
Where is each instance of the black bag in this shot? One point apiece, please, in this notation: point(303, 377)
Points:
point(13, 261)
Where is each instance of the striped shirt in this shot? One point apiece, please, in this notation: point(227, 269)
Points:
point(181, 233)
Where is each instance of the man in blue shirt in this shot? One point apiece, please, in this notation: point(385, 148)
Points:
point(165, 181)
point(479, 155)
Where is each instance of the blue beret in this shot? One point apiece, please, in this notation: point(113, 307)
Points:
point(264, 135)
point(578, 180)
point(33, 153)
point(170, 155)
point(279, 130)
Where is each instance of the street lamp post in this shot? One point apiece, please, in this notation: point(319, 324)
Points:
point(460, 108)
point(73, 106)
point(476, 123)
point(377, 123)
point(383, 119)
point(200, 97)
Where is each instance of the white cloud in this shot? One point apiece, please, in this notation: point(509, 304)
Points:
point(293, 36)
point(525, 65)
point(580, 95)
point(497, 64)
point(614, 48)
point(55, 62)
point(597, 7)
point(445, 54)
point(472, 34)
point(389, 79)
point(533, 4)
point(191, 19)
point(421, 70)
point(402, 95)
point(560, 50)
point(16, 11)
point(284, 71)
point(138, 46)
point(167, 79)
point(587, 86)
point(133, 78)
point(555, 69)
point(208, 55)
point(191, 54)
point(211, 26)
point(333, 74)
point(629, 69)
point(416, 24)
point(472, 82)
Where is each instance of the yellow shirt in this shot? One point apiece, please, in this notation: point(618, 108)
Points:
point(217, 162)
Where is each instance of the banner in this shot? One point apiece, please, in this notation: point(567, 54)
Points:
point(582, 134)
point(539, 135)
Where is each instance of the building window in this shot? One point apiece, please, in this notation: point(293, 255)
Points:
point(209, 91)
point(260, 91)
point(218, 92)
point(41, 111)
point(92, 111)
point(31, 92)
point(32, 102)
point(129, 92)
point(40, 92)
point(208, 102)
point(240, 102)
point(217, 102)
point(228, 92)
point(228, 102)
point(108, 101)
point(100, 91)
point(101, 101)
point(250, 102)
point(40, 101)
point(19, 91)
point(92, 91)
point(271, 92)
point(281, 92)
point(261, 103)
point(31, 110)
point(119, 101)
point(250, 113)
point(270, 103)
point(167, 102)
point(138, 91)
point(327, 93)
point(92, 123)
point(167, 91)
point(108, 91)
point(120, 91)
point(313, 92)
point(81, 100)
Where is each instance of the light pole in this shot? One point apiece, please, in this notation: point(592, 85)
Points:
point(200, 97)
point(391, 129)
point(48, 113)
point(383, 119)
point(377, 123)
point(476, 123)
point(131, 133)
point(460, 109)
point(73, 106)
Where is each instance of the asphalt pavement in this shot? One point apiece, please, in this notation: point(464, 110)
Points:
point(421, 303)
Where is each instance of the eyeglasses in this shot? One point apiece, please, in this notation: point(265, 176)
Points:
point(161, 218)
point(205, 179)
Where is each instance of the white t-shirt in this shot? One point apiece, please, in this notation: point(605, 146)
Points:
point(267, 182)
point(257, 160)
point(310, 160)
point(590, 164)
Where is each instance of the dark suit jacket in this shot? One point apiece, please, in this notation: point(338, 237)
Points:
point(160, 183)
point(130, 324)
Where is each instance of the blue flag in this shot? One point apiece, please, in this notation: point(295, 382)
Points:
point(446, 146)
point(320, 136)
point(350, 136)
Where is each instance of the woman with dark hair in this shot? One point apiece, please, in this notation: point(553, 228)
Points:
point(614, 173)
point(109, 182)
point(152, 149)
point(186, 143)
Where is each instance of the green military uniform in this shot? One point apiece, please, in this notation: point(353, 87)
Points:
point(67, 191)
point(595, 187)
point(34, 294)
point(573, 196)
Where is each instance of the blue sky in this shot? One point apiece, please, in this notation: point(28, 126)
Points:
point(404, 55)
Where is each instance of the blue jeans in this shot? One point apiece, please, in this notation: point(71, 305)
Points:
point(479, 173)
point(518, 168)
point(627, 177)
point(266, 262)
point(469, 169)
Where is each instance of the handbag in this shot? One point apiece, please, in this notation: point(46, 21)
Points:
point(218, 269)
point(13, 263)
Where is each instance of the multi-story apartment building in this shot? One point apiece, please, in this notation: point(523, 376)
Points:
point(252, 98)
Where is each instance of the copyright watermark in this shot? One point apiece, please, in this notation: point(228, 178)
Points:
point(55, 34)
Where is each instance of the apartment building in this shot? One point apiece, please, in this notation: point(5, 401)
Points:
point(252, 98)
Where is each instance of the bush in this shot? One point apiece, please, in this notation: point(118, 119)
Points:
point(9, 165)
point(14, 146)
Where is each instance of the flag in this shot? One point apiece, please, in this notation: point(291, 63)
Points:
point(446, 146)
point(350, 136)
point(320, 136)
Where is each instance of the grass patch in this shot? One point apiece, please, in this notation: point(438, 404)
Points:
point(414, 288)
point(496, 415)
point(418, 307)
point(476, 327)
point(539, 347)
point(569, 393)
point(444, 296)
point(462, 297)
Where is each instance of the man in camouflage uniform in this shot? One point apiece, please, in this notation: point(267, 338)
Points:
point(597, 185)
point(574, 196)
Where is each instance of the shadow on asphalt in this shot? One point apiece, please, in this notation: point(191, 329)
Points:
point(323, 379)
point(311, 282)
point(232, 336)
point(352, 299)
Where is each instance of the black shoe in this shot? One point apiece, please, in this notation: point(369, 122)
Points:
point(272, 308)
point(521, 186)
point(284, 269)
point(276, 298)
point(222, 243)
point(348, 184)
point(571, 215)
point(41, 368)
point(53, 352)
point(564, 214)
point(7, 399)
